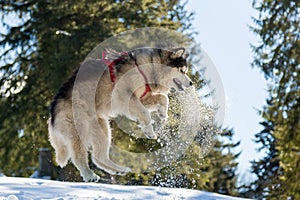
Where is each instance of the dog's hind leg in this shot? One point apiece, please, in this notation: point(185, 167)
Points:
point(61, 151)
point(75, 141)
point(100, 150)
point(79, 156)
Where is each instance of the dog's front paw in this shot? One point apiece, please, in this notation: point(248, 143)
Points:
point(162, 114)
point(92, 178)
point(149, 132)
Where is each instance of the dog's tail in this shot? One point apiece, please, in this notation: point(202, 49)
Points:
point(61, 150)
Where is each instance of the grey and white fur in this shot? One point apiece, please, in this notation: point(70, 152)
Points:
point(82, 109)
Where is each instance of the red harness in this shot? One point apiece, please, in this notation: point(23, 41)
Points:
point(111, 68)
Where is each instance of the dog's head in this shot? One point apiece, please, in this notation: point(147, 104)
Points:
point(176, 59)
point(171, 65)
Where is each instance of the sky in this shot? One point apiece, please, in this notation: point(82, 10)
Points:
point(224, 34)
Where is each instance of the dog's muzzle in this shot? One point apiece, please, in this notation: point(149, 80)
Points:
point(178, 83)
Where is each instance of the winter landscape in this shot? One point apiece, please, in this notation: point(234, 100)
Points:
point(147, 99)
point(31, 189)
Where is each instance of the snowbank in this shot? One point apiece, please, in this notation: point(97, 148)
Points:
point(28, 188)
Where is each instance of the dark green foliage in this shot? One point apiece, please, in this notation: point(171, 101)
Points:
point(278, 57)
point(48, 42)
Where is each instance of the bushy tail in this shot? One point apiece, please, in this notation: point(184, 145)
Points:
point(61, 150)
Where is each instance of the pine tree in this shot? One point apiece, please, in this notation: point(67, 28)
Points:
point(278, 58)
point(225, 165)
point(49, 41)
point(41, 50)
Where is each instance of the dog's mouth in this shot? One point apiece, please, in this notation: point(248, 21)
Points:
point(178, 83)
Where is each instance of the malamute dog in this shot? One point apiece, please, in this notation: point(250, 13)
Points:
point(133, 84)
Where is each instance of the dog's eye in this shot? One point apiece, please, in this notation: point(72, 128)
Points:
point(183, 69)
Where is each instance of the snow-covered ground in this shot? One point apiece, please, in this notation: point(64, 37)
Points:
point(29, 188)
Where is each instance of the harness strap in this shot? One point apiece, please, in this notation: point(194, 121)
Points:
point(110, 66)
point(112, 70)
point(147, 87)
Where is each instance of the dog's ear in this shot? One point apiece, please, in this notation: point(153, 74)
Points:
point(177, 53)
point(185, 55)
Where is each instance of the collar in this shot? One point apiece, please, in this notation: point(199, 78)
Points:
point(111, 65)
point(111, 68)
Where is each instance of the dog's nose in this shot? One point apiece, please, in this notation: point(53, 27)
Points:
point(191, 83)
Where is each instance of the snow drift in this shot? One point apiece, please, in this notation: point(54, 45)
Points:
point(31, 189)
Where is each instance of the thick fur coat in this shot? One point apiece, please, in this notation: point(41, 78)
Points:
point(87, 101)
